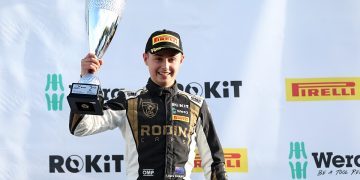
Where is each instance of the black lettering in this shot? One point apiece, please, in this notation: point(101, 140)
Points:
point(116, 90)
point(92, 163)
point(212, 89)
point(72, 165)
point(117, 159)
point(180, 86)
point(348, 159)
point(55, 163)
point(338, 161)
point(106, 91)
point(356, 160)
point(225, 90)
point(236, 85)
point(106, 164)
point(322, 159)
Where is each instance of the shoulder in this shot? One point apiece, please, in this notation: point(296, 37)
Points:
point(198, 100)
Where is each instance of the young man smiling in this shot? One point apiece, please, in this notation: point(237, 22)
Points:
point(161, 125)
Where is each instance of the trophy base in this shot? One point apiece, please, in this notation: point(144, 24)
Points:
point(85, 99)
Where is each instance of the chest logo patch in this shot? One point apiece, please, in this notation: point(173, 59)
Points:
point(149, 109)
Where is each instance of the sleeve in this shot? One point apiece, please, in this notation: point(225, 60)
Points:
point(114, 116)
point(210, 150)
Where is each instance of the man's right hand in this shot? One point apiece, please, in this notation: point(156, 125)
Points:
point(90, 64)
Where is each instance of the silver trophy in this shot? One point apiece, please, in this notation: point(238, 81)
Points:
point(102, 17)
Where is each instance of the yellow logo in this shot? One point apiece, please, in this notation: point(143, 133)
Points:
point(317, 89)
point(165, 38)
point(236, 160)
point(180, 118)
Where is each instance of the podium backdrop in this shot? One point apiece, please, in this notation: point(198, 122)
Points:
point(281, 77)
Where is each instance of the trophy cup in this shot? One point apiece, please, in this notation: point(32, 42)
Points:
point(102, 17)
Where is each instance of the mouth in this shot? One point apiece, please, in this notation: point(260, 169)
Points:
point(164, 74)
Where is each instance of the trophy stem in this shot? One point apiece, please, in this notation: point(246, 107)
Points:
point(89, 78)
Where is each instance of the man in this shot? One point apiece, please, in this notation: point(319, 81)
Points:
point(162, 125)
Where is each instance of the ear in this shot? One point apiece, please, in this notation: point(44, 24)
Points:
point(182, 58)
point(146, 58)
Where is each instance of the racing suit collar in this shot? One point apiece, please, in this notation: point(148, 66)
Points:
point(159, 91)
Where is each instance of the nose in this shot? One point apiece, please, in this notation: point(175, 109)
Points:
point(165, 64)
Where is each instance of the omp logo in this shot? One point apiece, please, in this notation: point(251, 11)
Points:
point(54, 92)
point(315, 89)
point(148, 172)
point(236, 160)
point(298, 160)
point(165, 38)
point(75, 164)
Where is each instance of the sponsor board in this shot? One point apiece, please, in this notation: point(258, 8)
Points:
point(318, 89)
point(236, 160)
point(321, 164)
point(87, 163)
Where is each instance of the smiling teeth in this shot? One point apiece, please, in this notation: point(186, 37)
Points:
point(167, 73)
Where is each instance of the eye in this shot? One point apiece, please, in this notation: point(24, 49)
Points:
point(172, 59)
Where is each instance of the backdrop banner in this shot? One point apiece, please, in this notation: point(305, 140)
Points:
point(281, 78)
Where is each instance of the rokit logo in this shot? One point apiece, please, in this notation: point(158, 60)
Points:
point(92, 163)
point(217, 89)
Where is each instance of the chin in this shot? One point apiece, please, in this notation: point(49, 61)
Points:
point(165, 84)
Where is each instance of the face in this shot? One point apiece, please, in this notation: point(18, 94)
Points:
point(163, 66)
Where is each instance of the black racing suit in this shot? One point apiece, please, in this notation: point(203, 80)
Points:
point(162, 127)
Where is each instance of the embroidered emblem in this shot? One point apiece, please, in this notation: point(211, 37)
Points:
point(150, 109)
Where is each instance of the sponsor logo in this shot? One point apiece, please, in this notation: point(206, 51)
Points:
point(92, 163)
point(165, 38)
point(149, 109)
point(186, 106)
point(327, 163)
point(155, 49)
point(157, 130)
point(236, 160)
point(298, 160)
point(179, 109)
point(315, 89)
point(180, 118)
point(336, 164)
point(54, 92)
point(148, 172)
point(217, 89)
point(194, 88)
